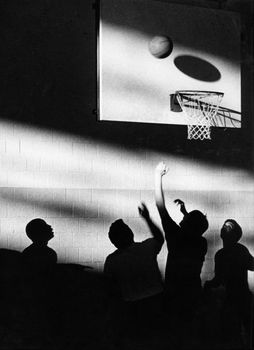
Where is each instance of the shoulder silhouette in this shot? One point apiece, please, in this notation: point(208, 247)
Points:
point(38, 255)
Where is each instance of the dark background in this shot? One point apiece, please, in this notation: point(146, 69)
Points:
point(49, 72)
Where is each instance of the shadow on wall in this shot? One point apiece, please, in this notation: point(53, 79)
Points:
point(49, 80)
point(197, 68)
point(46, 202)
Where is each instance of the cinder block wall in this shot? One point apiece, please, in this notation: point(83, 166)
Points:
point(59, 163)
point(81, 186)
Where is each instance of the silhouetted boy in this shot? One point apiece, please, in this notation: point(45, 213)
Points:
point(186, 252)
point(39, 262)
point(38, 255)
point(232, 263)
point(134, 273)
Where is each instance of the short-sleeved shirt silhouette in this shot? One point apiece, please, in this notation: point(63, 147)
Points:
point(186, 254)
point(231, 268)
point(135, 270)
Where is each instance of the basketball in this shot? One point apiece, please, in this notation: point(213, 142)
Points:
point(160, 46)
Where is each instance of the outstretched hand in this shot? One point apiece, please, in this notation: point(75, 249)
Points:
point(178, 202)
point(161, 168)
point(182, 206)
point(143, 211)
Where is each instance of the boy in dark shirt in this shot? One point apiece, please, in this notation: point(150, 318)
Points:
point(232, 263)
point(39, 262)
point(186, 252)
point(135, 284)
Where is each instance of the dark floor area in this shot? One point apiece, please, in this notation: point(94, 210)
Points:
point(73, 312)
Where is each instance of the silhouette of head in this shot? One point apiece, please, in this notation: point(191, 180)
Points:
point(231, 232)
point(195, 222)
point(120, 234)
point(39, 231)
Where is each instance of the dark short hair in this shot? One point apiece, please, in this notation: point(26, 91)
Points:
point(35, 230)
point(120, 234)
point(195, 222)
point(234, 234)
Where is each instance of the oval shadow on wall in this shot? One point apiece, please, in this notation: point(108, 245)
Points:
point(197, 68)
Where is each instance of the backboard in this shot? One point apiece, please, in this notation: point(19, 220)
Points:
point(135, 86)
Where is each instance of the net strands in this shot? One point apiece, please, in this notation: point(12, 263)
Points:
point(200, 109)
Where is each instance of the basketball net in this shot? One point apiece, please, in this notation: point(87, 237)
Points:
point(200, 109)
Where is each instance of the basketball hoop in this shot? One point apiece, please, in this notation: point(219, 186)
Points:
point(200, 109)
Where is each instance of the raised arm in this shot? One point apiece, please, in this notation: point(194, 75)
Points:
point(160, 171)
point(171, 229)
point(156, 232)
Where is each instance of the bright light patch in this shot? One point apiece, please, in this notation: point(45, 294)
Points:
point(80, 186)
point(135, 86)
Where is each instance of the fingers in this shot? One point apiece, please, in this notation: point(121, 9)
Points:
point(166, 168)
point(143, 206)
point(161, 168)
point(178, 202)
point(143, 211)
point(140, 208)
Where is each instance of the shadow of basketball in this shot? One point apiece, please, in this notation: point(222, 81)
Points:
point(197, 68)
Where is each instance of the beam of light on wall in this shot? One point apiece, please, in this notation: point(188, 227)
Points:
point(125, 47)
point(34, 158)
point(134, 86)
point(81, 186)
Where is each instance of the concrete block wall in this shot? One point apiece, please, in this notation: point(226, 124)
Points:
point(81, 186)
point(59, 163)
